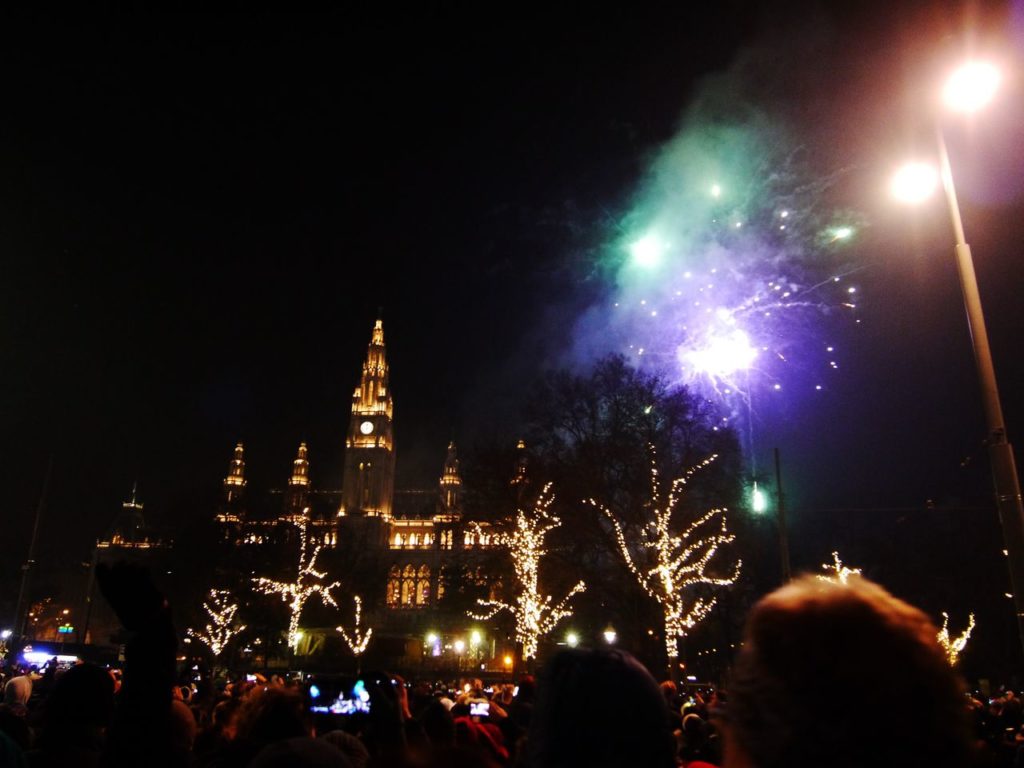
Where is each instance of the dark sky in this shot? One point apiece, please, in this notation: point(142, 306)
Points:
point(199, 217)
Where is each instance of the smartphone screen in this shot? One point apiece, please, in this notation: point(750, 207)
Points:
point(338, 697)
point(479, 709)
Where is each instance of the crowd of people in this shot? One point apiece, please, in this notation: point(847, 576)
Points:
point(829, 675)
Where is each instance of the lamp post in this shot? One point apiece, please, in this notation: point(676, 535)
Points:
point(967, 90)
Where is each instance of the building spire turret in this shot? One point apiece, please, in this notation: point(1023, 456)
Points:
point(234, 483)
point(296, 496)
point(300, 467)
point(129, 528)
point(451, 483)
point(521, 479)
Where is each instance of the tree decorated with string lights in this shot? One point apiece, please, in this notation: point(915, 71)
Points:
point(669, 559)
point(220, 611)
point(535, 613)
point(359, 639)
point(954, 647)
point(837, 572)
point(308, 582)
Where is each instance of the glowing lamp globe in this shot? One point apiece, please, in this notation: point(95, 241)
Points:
point(971, 86)
point(914, 183)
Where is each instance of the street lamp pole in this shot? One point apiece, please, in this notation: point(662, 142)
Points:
point(787, 574)
point(1004, 466)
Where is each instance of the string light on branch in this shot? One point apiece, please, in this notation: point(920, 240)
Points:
point(220, 628)
point(837, 572)
point(953, 648)
point(667, 559)
point(308, 582)
point(358, 640)
point(535, 614)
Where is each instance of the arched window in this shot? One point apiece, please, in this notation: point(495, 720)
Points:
point(414, 539)
point(394, 587)
point(446, 539)
point(399, 541)
point(423, 585)
point(469, 539)
point(408, 586)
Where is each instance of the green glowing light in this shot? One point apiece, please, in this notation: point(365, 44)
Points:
point(647, 251)
point(842, 233)
point(716, 190)
point(758, 501)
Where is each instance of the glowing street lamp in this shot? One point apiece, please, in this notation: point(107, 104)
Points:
point(610, 636)
point(967, 90)
point(572, 639)
point(972, 86)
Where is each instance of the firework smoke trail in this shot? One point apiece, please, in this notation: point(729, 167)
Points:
point(730, 276)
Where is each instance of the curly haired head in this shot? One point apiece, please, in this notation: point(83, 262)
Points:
point(843, 675)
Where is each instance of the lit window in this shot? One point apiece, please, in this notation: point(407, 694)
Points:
point(423, 585)
point(394, 587)
point(408, 586)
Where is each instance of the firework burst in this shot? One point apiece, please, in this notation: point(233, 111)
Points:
point(731, 274)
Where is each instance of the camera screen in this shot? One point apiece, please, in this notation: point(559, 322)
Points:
point(338, 697)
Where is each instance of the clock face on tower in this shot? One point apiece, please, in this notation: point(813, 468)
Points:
point(366, 427)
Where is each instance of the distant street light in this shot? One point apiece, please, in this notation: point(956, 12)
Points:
point(610, 636)
point(967, 90)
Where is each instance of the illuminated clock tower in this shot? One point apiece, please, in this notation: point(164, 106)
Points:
point(369, 480)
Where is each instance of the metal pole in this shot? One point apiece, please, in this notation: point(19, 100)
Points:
point(1004, 466)
point(21, 610)
point(783, 535)
point(84, 635)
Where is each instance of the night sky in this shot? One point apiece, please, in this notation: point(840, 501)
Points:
point(200, 217)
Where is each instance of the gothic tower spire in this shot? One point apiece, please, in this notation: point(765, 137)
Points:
point(368, 485)
point(300, 467)
point(296, 497)
point(521, 479)
point(234, 483)
point(451, 484)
